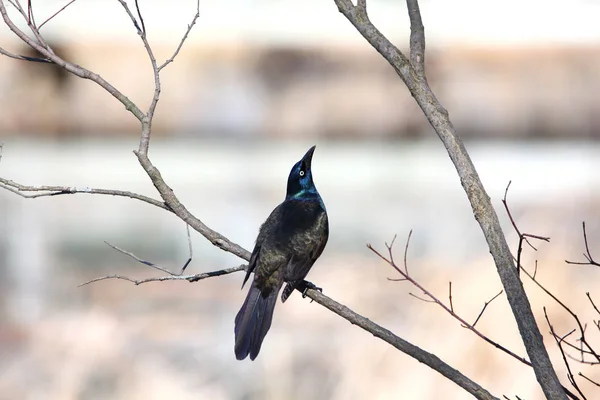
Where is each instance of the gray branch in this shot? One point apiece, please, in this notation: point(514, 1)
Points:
point(480, 202)
point(47, 191)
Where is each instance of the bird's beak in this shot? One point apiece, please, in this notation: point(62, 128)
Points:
point(307, 159)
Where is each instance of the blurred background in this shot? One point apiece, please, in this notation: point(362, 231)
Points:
point(255, 85)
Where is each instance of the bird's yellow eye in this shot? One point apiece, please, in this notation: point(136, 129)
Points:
point(301, 173)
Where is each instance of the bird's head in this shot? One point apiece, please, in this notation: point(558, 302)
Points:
point(300, 182)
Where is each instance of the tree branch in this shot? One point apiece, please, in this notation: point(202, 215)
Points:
point(185, 36)
point(587, 255)
point(480, 202)
point(417, 37)
point(56, 13)
point(47, 191)
point(415, 352)
point(433, 299)
point(559, 341)
point(356, 319)
point(72, 68)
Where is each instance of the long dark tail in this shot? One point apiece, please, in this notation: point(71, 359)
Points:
point(253, 322)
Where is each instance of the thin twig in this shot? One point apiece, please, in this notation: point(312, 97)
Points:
point(435, 300)
point(137, 7)
point(521, 235)
point(189, 278)
point(152, 265)
point(185, 36)
point(70, 67)
point(48, 191)
point(56, 13)
point(587, 254)
point(450, 296)
point(588, 379)
point(575, 317)
point(23, 58)
point(559, 341)
point(420, 298)
point(586, 293)
point(485, 306)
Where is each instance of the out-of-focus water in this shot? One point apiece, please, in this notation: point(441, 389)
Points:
point(372, 192)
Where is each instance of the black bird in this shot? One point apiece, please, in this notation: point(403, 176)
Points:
point(288, 244)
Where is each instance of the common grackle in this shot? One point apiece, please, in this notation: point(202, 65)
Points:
point(288, 244)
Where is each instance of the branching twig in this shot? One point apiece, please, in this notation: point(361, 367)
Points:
point(481, 205)
point(485, 306)
point(189, 278)
point(434, 299)
point(450, 296)
point(522, 236)
point(187, 32)
point(152, 265)
point(587, 254)
point(56, 13)
point(45, 191)
point(589, 297)
point(559, 341)
point(137, 7)
point(588, 379)
point(582, 337)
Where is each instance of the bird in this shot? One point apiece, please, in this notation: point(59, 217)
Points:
point(288, 244)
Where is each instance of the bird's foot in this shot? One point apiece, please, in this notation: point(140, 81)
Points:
point(305, 286)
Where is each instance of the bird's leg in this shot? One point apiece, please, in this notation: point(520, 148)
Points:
point(303, 287)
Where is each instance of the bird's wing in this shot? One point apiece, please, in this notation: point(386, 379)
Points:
point(309, 245)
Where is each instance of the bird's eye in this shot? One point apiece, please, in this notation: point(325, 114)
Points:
point(301, 173)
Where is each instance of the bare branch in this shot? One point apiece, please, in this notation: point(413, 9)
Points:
point(56, 13)
point(189, 278)
point(522, 236)
point(586, 293)
point(137, 7)
point(559, 341)
point(587, 254)
point(422, 356)
point(420, 298)
point(575, 317)
point(46, 191)
point(450, 296)
point(588, 379)
point(449, 310)
point(485, 306)
point(481, 205)
point(23, 58)
point(185, 36)
point(70, 67)
point(376, 330)
point(417, 37)
point(152, 265)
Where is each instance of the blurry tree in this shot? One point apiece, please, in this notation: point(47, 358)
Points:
point(411, 70)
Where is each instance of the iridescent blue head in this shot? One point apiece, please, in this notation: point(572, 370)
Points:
point(300, 182)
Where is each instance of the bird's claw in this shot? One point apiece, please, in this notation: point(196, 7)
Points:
point(306, 286)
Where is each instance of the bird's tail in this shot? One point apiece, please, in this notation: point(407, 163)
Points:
point(253, 322)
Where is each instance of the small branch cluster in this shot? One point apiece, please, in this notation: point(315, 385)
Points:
point(431, 298)
point(587, 255)
point(172, 276)
point(587, 353)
